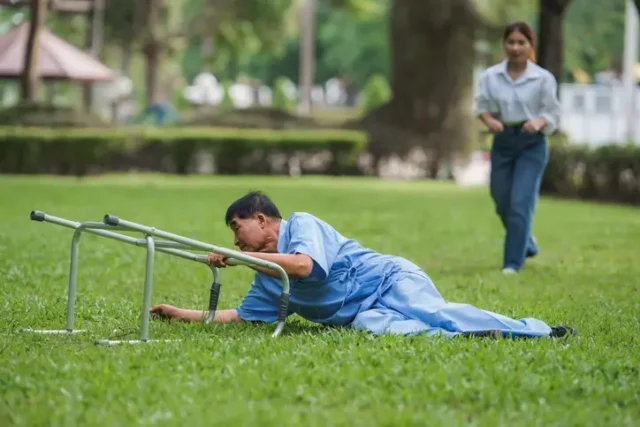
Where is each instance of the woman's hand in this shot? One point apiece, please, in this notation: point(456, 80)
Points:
point(534, 126)
point(495, 126)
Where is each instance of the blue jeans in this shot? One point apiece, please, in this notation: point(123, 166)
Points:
point(518, 160)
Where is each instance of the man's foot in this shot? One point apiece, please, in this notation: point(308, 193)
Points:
point(562, 331)
point(509, 271)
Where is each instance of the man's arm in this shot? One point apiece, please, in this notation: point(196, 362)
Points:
point(297, 266)
point(187, 315)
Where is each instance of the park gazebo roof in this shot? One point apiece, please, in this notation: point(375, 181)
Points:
point(59, 60)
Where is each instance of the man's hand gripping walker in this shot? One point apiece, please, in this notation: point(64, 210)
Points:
point(172, 244)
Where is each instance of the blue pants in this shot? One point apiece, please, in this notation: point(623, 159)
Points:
point(412, 305)
point(518, 160)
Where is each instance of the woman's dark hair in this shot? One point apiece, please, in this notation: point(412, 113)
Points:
point(526, 30)
point(251, 204)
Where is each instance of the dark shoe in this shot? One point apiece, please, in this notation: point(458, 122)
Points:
point(562, 331)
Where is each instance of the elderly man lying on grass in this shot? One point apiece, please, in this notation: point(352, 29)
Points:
point(336, 281)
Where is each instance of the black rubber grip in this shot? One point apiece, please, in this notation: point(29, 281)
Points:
point(283, 309)
point(37, 216)
point(111, 219)
point(215, 294)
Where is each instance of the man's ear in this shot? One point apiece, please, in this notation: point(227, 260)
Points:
point(262, 220)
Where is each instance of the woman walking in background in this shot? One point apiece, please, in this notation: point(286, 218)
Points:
point(517, 101)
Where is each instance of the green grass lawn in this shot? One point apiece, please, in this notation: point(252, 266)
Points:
point(587, 275)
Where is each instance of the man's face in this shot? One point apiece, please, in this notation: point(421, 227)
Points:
point(249, 233)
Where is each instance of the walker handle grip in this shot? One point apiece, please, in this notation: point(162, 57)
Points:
point(213, 302)
point(283, 308)
point(37, 216)
point(111, 220)
point(213, 298)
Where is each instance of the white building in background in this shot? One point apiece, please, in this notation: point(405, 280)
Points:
point(607, 113)
point(595, 114)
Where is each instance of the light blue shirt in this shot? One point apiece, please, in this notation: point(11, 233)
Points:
point(531, 96)
point(346, 278)
point(354, 286)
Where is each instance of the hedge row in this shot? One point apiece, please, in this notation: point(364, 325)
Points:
point(607, 173)
point(81, 151)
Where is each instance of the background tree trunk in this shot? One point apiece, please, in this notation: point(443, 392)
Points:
point(550, 39)
point(126, 58)
point(307, 54)
point(95, 21)
point(432, 44)
point(30, 76)
point(152, 64)
point(152, 50)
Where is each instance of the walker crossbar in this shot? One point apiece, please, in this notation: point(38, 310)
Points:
point(174, 245)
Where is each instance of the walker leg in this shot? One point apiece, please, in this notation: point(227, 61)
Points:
point(148, 285)
point(73, 279)
point(71, 297)
point(146, 301)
